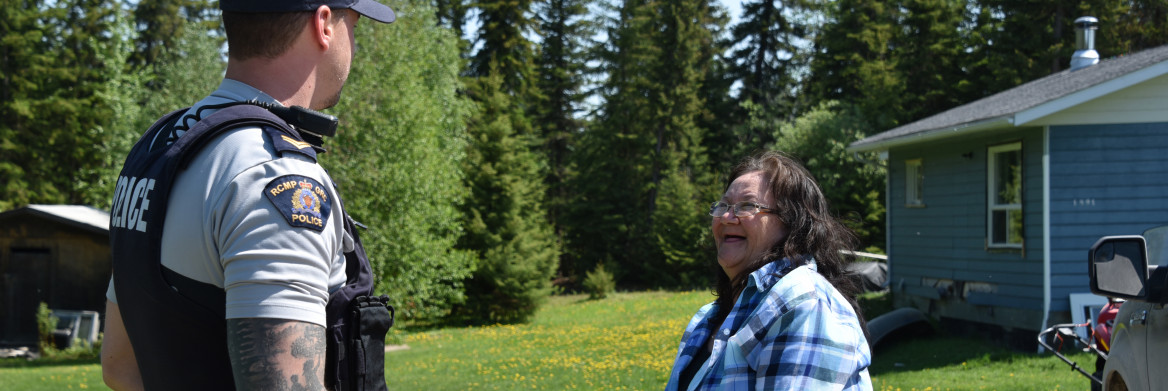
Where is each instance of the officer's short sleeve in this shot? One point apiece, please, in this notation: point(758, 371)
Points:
point(279, 231)
point(110, 294)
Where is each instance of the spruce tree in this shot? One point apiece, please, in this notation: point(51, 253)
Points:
point(57, 60)
point(1130, 26)
point(680, 176)
point(562, 70)
point(608, 214)
point(506, 224)
point(452, 14)
point(930, 50)
point(159, 23)
point(1016, 41)
point(852, 62)
point(647, 143)
point(768, 57)
point(504, 49)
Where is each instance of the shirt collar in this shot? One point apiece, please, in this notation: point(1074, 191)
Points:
point(768, 275)
point(234, 90)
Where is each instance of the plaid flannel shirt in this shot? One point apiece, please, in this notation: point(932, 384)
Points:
point(787, 331)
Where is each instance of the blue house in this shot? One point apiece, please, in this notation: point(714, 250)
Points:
point(993, 205)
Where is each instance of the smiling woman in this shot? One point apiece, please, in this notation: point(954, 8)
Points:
point(785, 315)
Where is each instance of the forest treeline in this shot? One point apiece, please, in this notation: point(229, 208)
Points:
point(499, 150)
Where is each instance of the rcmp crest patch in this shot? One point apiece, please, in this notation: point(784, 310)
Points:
point(301, 200)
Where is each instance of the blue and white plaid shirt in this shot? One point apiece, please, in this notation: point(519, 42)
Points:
point(786, 332)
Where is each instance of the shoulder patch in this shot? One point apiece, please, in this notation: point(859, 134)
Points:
point(285, 143)
point(302, 201)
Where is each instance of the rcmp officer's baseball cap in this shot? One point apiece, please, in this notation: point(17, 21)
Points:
point(367, 8)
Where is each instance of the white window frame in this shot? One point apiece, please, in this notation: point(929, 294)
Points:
point(914, 183)
point(992, 199)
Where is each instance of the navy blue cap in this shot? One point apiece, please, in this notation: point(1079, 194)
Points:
point(367, 8)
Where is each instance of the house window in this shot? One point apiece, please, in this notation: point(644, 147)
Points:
point(914, 184)
point(1005, 195)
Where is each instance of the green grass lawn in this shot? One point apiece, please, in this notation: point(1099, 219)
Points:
point(19, 374)
point(625, 342)
point(949, 363)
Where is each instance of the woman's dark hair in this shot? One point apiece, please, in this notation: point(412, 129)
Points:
point(811, 230)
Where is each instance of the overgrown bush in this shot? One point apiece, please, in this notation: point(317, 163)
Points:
point(46, 323)
point(79, 349)
point(599, 283)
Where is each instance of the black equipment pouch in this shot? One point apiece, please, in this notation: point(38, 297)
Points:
point(357, 323)
point(370, 318)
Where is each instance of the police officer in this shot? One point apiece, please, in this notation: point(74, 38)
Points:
point(248, 216)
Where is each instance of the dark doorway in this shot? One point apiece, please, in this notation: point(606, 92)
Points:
point(25, 284)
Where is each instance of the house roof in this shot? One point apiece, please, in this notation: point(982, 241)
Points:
point(81, 216)
point(1025, 103)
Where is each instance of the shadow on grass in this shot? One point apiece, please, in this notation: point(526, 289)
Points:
point(47, 362)
point(415, 326)
point(906, 354)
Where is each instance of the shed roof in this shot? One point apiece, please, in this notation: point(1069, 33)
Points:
point(81, 216)
point(1027, 102)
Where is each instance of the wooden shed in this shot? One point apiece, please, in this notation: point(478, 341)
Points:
point(57, 254)
point(992, 205)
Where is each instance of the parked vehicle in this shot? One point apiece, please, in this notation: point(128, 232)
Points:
point(1135, 269)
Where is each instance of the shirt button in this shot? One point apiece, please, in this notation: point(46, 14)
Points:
point(725, 331)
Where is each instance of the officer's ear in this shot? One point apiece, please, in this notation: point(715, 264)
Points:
point(324, 26)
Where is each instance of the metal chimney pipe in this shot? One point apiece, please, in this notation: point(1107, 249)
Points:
point(1085, 54)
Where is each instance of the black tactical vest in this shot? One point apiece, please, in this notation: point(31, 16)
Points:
point(176, 324)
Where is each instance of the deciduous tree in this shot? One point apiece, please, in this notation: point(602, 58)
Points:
point(397, 159)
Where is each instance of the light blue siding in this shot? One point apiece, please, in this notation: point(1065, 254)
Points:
point(1104, 180)
point(946, 239)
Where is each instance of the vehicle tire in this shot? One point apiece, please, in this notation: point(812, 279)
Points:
point(1115, 383)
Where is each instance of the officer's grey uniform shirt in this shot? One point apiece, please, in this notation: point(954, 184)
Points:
point(221, 230)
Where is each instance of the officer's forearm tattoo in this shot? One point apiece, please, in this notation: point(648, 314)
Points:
point(265, 354)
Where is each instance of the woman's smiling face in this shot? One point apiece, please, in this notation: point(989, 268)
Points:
point(741, 239)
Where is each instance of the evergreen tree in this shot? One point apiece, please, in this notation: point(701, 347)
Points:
point(609, 213)
point(452, 14)
point(679, 155)
point(768, 58)
point(724, 145)
point(722, 137)
point(160, 24)
point(55, 64)
point(647, 143)
point(562, 70)
point(505, 221)
point(930, 51)
point(852, 61)
point(767, 55)
point(507, 224)
point(504, 48)
point(1016, 41)
point(397, 156)
point(1127, 26)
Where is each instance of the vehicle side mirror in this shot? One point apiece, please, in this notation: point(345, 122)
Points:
point(1118, 266)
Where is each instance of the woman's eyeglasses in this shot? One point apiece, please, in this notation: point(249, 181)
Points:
point(740, 209)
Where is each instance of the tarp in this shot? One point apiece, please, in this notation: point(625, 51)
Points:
point(873, 276)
